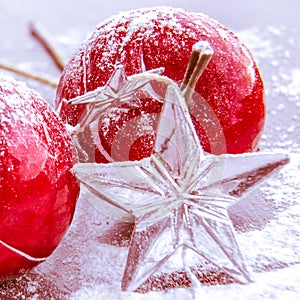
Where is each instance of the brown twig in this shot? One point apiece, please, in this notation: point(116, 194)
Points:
point(40, 36)
point(199, 59)
point(28, 75)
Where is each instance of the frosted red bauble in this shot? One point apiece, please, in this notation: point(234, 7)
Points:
point(37, 189)
point(149, 38)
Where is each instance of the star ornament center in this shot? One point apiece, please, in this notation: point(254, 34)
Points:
point(184, 194)
point(178, 197)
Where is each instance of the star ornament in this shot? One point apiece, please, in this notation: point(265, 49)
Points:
point(119, 89)
point(177, 198)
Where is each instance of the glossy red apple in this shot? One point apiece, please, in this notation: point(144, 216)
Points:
point(229, 119)
point(37, 190)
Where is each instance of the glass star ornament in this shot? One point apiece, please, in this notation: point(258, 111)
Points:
point(119, 89)
point(177, 198)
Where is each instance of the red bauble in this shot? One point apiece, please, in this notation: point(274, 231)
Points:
point(37, 190)
point(231, 117)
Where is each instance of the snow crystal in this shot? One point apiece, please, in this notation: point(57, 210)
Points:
point(274, 30)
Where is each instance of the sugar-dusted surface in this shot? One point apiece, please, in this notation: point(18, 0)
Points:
point(84, 266)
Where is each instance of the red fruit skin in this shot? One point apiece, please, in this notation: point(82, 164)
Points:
point(163, 37)
point(38, 192)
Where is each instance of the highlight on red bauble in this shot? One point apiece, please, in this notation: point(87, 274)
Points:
point(38, 192)
point(230, 88)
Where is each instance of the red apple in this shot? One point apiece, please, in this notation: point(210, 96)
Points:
point(231, 117)
point(37, 190)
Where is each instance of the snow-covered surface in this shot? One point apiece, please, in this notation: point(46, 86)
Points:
point(88, 266)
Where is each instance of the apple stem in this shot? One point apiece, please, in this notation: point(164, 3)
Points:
point(199, 59)
point(28, 75)
point(40, 36)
